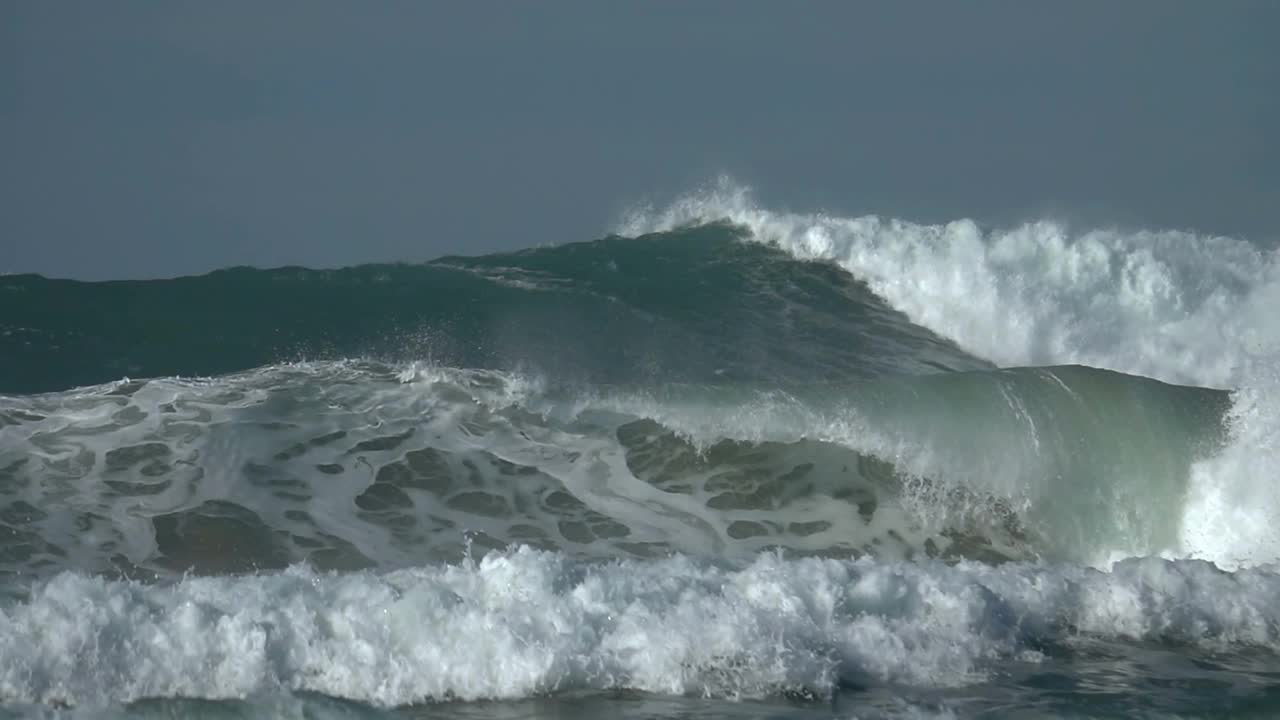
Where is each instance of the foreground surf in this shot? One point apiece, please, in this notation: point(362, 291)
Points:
point(527, 623)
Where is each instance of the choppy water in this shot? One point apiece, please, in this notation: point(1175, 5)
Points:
point(729, 462)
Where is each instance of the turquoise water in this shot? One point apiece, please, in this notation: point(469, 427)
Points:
point(768, 466)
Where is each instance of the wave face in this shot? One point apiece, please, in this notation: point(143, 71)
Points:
point(348, 465)
point(727, 453)
point(686, 306)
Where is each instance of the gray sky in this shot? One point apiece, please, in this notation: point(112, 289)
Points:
point(142, 139)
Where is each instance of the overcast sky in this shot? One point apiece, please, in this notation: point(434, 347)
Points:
point(143, 139)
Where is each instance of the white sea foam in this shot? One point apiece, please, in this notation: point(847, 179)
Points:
point(1232, 512)
point(1171, 305)
point(530, 622)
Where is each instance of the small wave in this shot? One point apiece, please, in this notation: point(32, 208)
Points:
point(528, 623)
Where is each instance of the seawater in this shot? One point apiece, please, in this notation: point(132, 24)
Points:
point(727, 462)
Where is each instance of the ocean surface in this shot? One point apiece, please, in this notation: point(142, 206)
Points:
point(725, 462)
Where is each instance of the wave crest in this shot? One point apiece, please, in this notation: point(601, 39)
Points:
point(1172, 305)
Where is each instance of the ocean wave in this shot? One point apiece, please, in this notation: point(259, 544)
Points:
point(1180, 307)
point(690, 306)
point(355, 464)
point(528, 623)
point(745, 454)
point(1171, 305)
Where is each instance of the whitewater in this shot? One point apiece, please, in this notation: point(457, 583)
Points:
point(726, 462)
